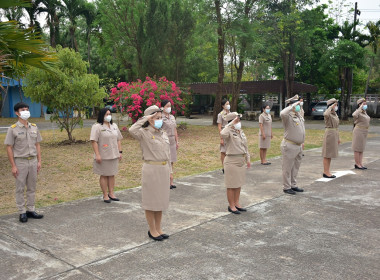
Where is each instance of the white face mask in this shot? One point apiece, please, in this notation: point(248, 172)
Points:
point(25, 115)
point(301, 103)
point(336, 108)
point(108, 118)
point(168, 110)
point(238, 126)
point(228, 107)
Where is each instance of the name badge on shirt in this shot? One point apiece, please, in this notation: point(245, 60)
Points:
point(20, 133)
point(105, 145)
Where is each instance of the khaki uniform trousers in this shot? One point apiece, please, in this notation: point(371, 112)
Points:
point(27, 175)
point(291, 161)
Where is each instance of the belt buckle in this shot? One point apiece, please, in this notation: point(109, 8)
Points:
point(163, 163)
point(29, 158)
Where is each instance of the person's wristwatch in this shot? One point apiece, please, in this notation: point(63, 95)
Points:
point(120, 152)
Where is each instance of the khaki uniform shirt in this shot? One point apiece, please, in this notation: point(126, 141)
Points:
point(235, 141)
point(154, 143)
point(294, 126)
point(331, 118)
point(169, 124)
point(23, 139)
point(221, 118)
point(266, 120)
point(361, 119)
point(107, 138)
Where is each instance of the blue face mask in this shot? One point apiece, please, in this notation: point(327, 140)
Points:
point(158, 124)
point(267, 111)
point(298, 108)
point(365, 107)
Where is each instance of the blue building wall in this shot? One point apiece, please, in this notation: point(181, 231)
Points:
point(13, 97)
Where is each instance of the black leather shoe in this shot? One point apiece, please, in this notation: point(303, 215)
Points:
point(266, 163)
point(289, 191)
point(34, 215)
point(357, 167)
point(297, 189)
point(223, 170)
point(164, 236)
point(114, 199)
point(107, 200)
point(158, 238)
point(23, 218)
point(241, 209)
point(363, 167)
point(325, 176)
point(235, 212)
point(172, 187)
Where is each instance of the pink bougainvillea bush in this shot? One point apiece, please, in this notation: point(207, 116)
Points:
point(133, 98)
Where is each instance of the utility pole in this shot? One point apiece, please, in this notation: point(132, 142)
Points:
point(356, 12)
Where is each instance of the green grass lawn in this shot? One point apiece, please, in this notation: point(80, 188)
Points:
point(67, 175)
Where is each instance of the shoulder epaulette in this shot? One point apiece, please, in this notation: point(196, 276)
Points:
point(13, 125)
point(33, 124)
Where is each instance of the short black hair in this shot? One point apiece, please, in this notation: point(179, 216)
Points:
point(20, 105)
point(164, 102)
point(264, 106)
point(101, 115)
point(224, 101)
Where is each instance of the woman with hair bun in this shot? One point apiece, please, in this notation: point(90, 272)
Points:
point(359, 136)
point(265, 133)
point(106, 143)
point(331, 139)
point(170, 126)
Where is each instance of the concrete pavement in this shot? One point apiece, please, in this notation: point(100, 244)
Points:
point(331, 231)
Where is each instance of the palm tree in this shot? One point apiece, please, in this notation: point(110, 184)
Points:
point(32, 12)
point(90, 14)
point(21, 48)
point(73, 9)
point(374, 30)
point(51, 7)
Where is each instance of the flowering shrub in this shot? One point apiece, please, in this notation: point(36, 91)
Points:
point(133, 98)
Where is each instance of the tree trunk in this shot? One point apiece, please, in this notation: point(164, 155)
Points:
point(19, 90)
point(88, 52)
point(369, 75)
point(219, 91)
point(345, 96)
point(240, 69)
point(285, 64)
point(292, 67)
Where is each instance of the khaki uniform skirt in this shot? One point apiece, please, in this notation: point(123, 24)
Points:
point(108, 167)
point(330, 143)
point(359, 139)
point(264, 144)
point(173, 149)
point(155, 187)
point(234, 171)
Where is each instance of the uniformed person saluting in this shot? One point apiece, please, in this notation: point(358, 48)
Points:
point(236, 160)
point(156, 168)
point(359, 136)
point(24, 153)
point(106, 142)
point(221, 124)
point(170, 126)
point(265, 133)
point(331, 139)
point(291, 145)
